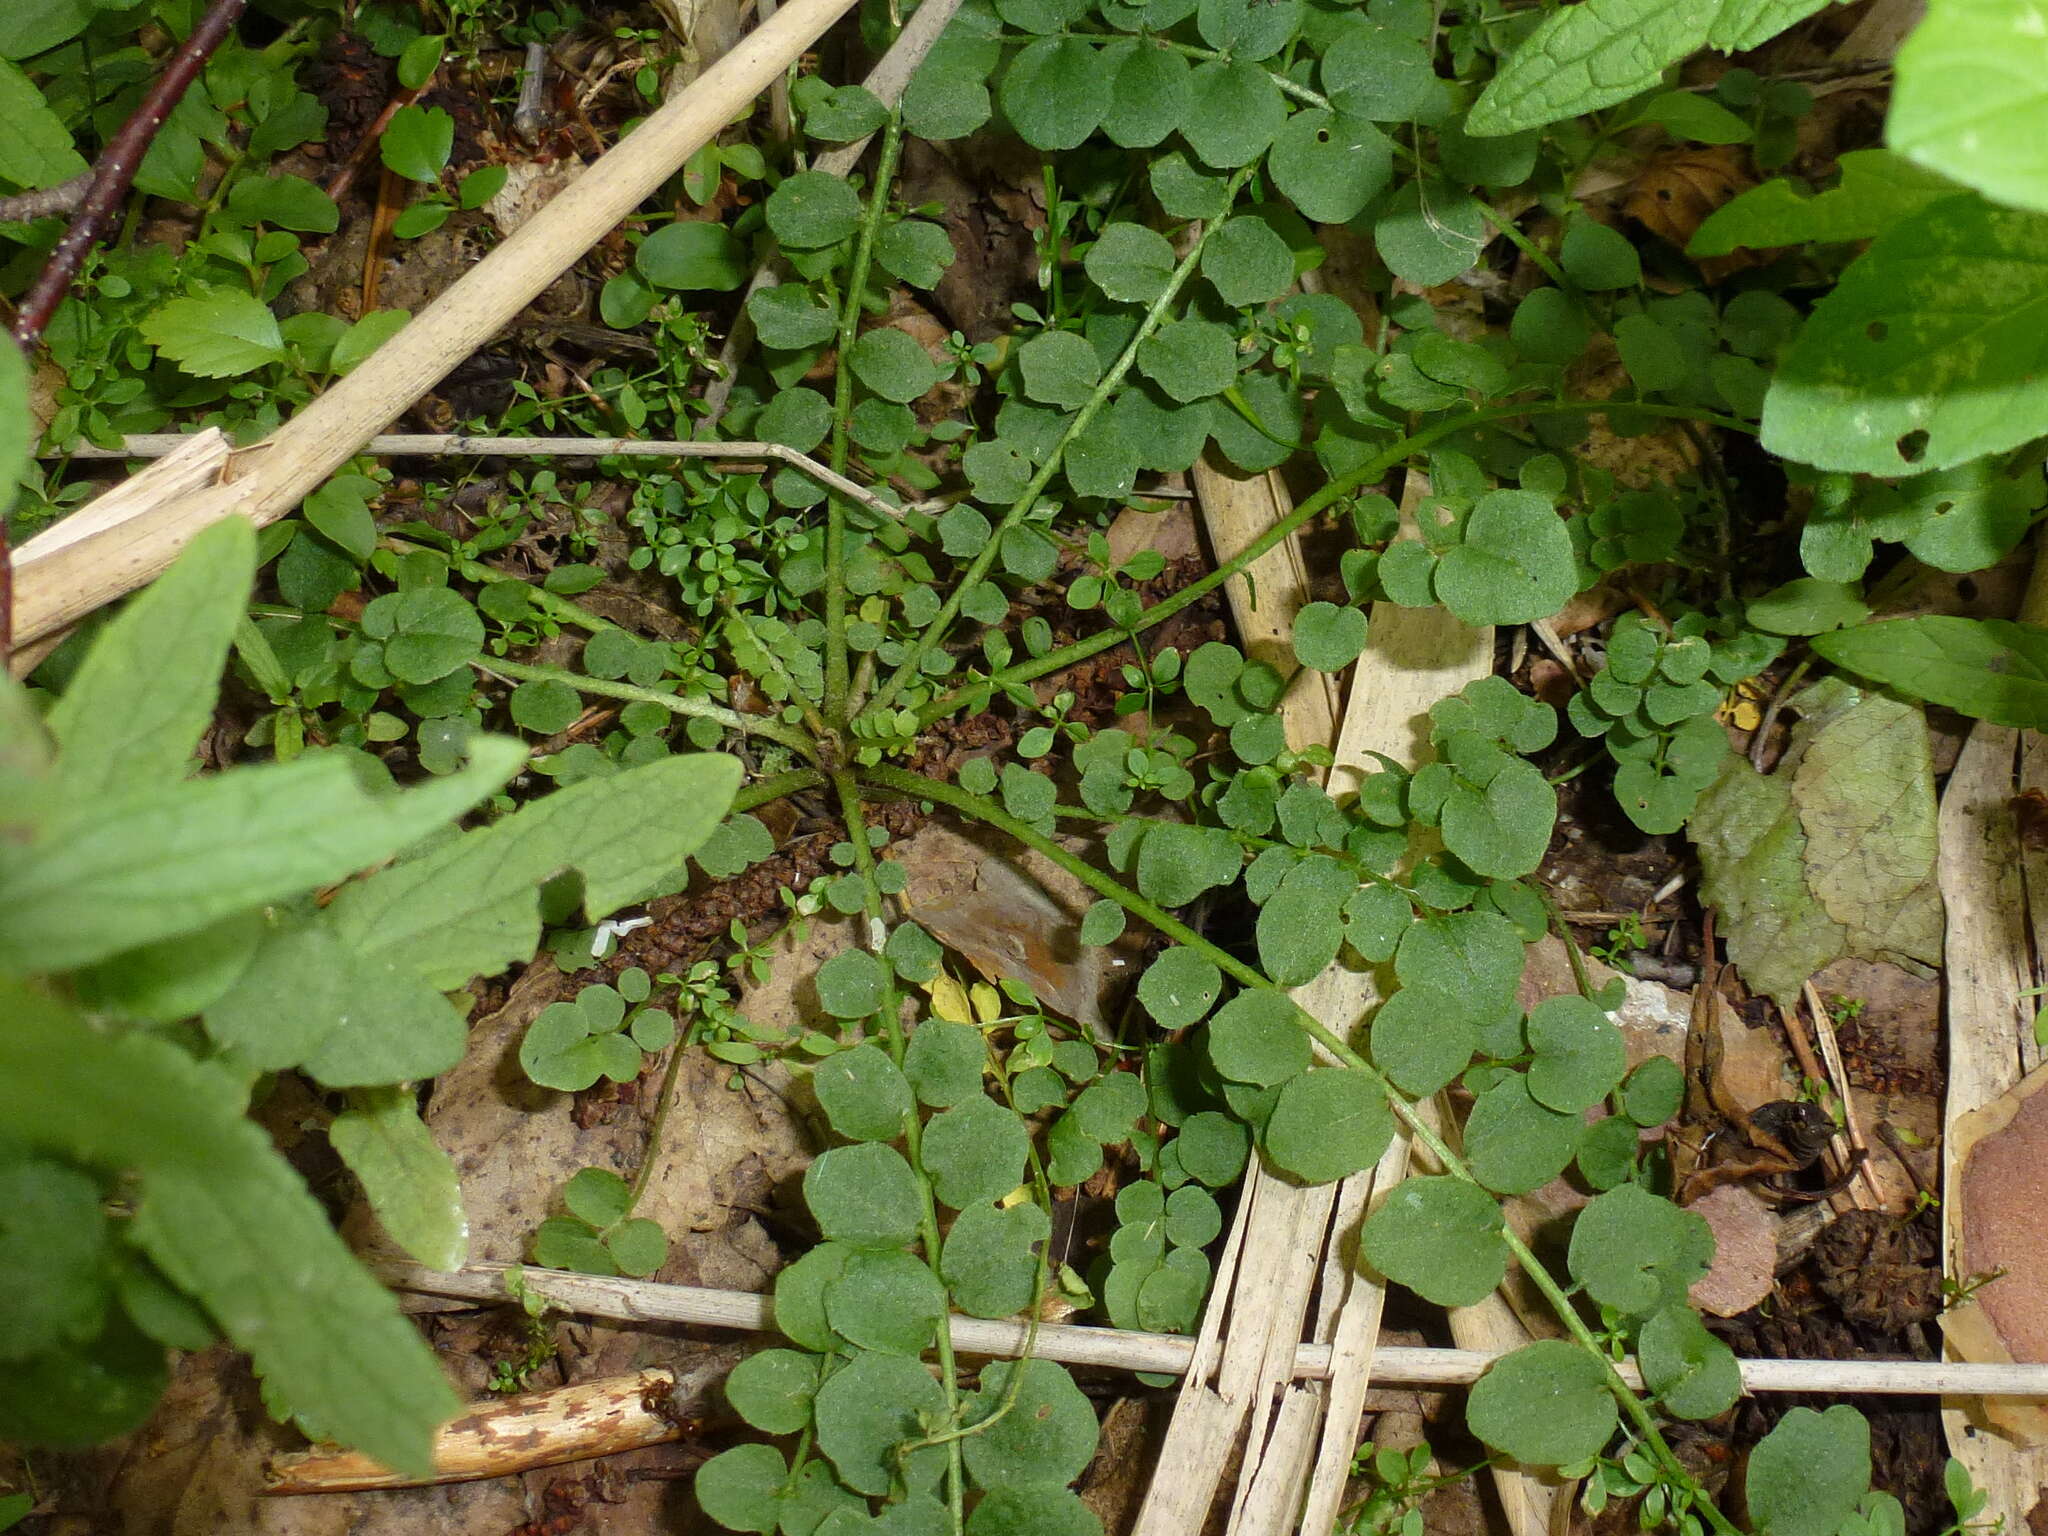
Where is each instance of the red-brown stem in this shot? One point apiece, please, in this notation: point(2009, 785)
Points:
point(115, 172)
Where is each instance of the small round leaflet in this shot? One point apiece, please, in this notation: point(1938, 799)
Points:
point(1440, 1237)
point(1545, 1405)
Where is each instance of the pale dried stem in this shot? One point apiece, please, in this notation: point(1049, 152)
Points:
point(623, 1300)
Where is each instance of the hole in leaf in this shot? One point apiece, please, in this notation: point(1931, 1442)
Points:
point(1913, 446)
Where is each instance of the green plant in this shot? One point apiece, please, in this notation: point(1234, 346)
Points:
point(137, 898)
point(1191, 149)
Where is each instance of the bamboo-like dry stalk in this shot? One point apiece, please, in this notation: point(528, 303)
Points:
point(56, 586)
point(429, 445)
point(623, 1300)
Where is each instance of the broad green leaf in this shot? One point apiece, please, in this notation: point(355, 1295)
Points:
point(77, 1395)
point(1877, 190)
point(1033, 1509)
point(36, 150)
point(1927, 352)
point(409, 1180)
point(772, 1390)
point(1693, 1374)
point(471, 907)
point(1545, 1405)
point(1257, 1037)
point(916, 251)
point(1327, 637)
point(1515, 564)
point(1591, 55)
point(1970, 98)
point(868, 1408)
point(1501, 831)
point(1190, 359)
point(1180, 987)
point(990, 1261)
point(1046, 1431)
point(1130, 263)
point(693, 256)
point(787, 316)
point(1637, 1252)
point(1057, 91)
point(1807, 1474)
point(216, 335)
point(1440, 1237)
point(417, 142)
point(945, 1062)
point(1378, 73)
point(863, 1094)
point(227, 1220)
point(1299, 928)
point(1149, 97)
point(1329, 1123)
point(133, 713)
point(741, 1488)
point(975, 1152)
point(893, 365)
point(1988, 668)
point(1808, 607)
point(1422, 1037)
point(53, 1256)
point(1212, 1148)
point(1579, 1055)
point(1234, 111)
point(1059, 369)
point(1512, 1142)
point(888, 1301)
point(1330, 165)
point(812, 209)
point(800, 1295)
point(864, 1196)
point(156, 863)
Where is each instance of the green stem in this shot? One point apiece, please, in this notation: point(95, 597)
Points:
point(1418, 1126)
point(1581, 978)
point(913, 1135)
point(779, 787)
point(837, 703)
point(986, 557)
point(1374, 469)
point(732, 720)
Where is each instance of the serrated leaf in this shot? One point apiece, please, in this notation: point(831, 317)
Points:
point(1924, 355)
point(1988, 668)
point(133, 713)
point(152, 864)
point(471, 907)
point(1877, 190)
point(36, 150)
point(1970, 97)
point(1591, 55)
point(217, 335)
point(409, 1181)
point(227, 1220)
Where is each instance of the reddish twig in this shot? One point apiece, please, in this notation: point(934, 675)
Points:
point(115, 172)
point(358, 157)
